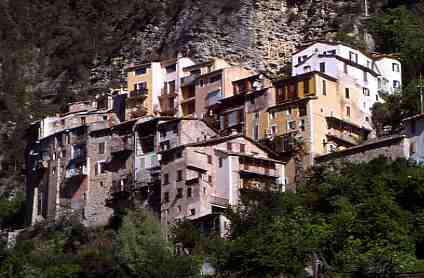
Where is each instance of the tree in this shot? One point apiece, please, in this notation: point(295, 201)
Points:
point(143, 252)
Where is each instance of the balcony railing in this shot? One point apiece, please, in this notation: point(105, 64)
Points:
point(218, 201)
point(284, 143)
point(343, 136)
point(139, 93)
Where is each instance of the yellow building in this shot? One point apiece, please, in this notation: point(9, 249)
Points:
point(140, 99)
point(314, 115)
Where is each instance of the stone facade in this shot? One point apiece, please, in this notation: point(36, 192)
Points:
point(391, 147)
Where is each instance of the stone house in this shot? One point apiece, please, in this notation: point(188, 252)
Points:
point(204, 178)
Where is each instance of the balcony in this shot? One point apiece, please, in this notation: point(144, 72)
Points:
point(167, 105)
point(218, 201)
point(125, 144)
point(139, 93)
point(189, 80)
point(284, 143)
point(99, 126)
point(197, 161)
point(343, 137)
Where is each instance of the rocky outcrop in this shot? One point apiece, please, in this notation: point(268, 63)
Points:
point(260, 34)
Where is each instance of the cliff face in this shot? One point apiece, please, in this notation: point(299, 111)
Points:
point(257, 33)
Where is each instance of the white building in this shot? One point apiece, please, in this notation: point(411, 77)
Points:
point(355, 70)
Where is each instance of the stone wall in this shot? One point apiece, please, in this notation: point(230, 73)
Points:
point(392, 148)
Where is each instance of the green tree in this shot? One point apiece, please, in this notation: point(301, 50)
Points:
point(144, 253)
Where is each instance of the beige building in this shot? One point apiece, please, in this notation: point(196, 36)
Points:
point(207, 84)
point(315, 114)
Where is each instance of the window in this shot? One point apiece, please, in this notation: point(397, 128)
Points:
point(209, 179)
point(396, 84)
point(220, 162)
point(347, 93)
point(366, 92)
point(63, 154)
point(324, 87)
point(348, 111)
point(322, 67)
point(395, 67)
point(412, 148)
point(215, 78)
point(302, 125)
point(179, 175)
point(365, 76)
point(171, 68)
point(229, 147)
point(53, 170)
point(54, 156)
point(209, 159)
point(256, 131)
point(273, 129)
point(101, 148)
point(307, 69)
point(140, 71)
point(353, 57)
point(100, 168)
point(306, 87)
point(302, 110)
point(193, 212)
point(140, 86)
point(165, 179)
point(413, 127)
point(189, 192)
point(272, 115)
point(345, 68)
point(171, 87)
point(242, 148)
point(292, 125)
point(166, 197)
point(179, 193)
point(82, 120)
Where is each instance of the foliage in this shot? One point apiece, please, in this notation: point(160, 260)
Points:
point(399, 30)
point(144, 253)
point(359, 220)
point(66, 248)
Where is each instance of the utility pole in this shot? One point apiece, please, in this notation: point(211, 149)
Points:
point(420, 86)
